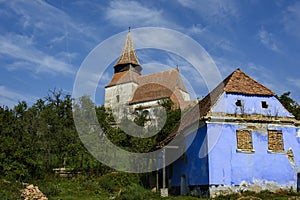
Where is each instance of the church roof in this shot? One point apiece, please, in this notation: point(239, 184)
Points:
point(158, 85)
point(169, 78)
point(149, 92)
point(128, 55)
point(123, 77)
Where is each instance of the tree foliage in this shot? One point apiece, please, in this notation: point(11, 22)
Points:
point(35, 139)
point(140, 119)
point(291, 105)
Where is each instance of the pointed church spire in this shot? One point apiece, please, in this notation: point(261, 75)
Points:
point(128, 55)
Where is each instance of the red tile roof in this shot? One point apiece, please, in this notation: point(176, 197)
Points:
point(169, 78)
point(149, 92)
point(124, 77)
point(157, 86)
point(239, 82)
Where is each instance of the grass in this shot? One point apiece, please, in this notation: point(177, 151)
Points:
point(10, 190)
point(117, 186)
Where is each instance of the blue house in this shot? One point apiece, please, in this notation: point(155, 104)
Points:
point(246, 140)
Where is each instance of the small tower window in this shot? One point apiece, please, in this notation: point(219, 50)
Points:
point(238, 103)
point(118, 98)
point(264, 104)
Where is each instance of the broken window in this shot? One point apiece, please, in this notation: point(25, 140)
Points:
point(244, 140)
point(264, 104)
point(275, 141)
point(238, 103)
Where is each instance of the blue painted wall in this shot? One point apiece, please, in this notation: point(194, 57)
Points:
point(251, 105)
point(192, 164)
point(229, 167)
point(212, 158)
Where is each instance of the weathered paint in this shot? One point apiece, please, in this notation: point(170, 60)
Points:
point(214, 160)
point(229, 167)
point(224, 165)
point(250, 105)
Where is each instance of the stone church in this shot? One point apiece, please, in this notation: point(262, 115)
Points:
point(129, 89)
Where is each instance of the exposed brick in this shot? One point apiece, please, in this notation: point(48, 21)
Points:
point(275, 141)
point(244, 140)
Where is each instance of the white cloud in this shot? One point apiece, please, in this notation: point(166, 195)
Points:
point(132, 13)
point(28, 57)
point(43, 18)
point(262, 72)
point(267, 39)
point(291, 19)
point(294, 82)
point(214, 11)
point(267, 77)
point(226, 66)
point(197, 29)
point(11, 98)
point(191, 75)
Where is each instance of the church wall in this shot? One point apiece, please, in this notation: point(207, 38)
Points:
point(118, 96)
point(185, 95)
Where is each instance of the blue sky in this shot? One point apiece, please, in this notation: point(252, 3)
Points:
point(43, 43)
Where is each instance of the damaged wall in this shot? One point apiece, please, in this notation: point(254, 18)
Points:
point(227, 166)
point(272, 157)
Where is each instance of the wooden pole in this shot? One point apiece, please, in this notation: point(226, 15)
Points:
point(164, 168)
point(157, 185)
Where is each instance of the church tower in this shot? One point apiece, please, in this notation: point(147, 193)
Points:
point(128, 59)
point(124, 82)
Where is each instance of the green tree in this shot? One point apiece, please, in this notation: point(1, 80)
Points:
point(291, 105)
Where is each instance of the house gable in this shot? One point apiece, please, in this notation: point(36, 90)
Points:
point(240, 94)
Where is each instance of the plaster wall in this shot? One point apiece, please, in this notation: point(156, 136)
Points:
point(250, 105)
point(191, 164)
point(185, 95)
point(118, 96)
point(227, 166)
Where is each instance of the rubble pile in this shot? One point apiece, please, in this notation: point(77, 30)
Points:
point(32, 192)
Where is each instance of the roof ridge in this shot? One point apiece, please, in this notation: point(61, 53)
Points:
point(174, 73)
point(159, 72)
